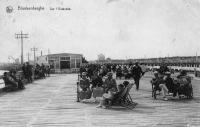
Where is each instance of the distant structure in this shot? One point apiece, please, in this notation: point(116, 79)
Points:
point(193, 61)
point(101, 57)
point(62, 62)
point(17, 61)
point(185, 61)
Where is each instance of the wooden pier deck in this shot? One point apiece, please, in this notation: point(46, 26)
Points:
point(52, 103)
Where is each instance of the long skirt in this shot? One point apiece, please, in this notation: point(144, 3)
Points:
point(85, 94)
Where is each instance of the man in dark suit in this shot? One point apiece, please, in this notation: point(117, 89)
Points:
point(137, 74)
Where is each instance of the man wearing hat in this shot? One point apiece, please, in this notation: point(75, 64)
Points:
point(137, 74)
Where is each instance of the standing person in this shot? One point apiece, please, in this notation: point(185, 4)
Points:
point(144, 69)
point(24, 71)
point(29, 72)
point(48, 70)
point(137, 74)
point(43, 71)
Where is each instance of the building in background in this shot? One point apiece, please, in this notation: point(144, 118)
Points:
point(62, 62)
point(101, 57)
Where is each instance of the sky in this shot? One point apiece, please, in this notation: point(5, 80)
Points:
point(120, 29)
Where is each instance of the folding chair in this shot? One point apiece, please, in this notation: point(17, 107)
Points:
point(125, 99)
point(128, 98)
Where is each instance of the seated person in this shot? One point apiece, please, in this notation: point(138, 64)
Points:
point(159, 83)
point(110, 83)
point(183, 79)
point(96, 80)
point(85, 92)
point(110, 96)
point(184, 82)
point(20, 84)
point(10, 83)
point(170, 83)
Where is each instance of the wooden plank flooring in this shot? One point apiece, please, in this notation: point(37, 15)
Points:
point(52, 103)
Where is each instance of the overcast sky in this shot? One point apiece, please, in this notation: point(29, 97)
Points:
point(119, 29)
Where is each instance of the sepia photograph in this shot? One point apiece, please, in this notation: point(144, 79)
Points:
point(99, 63)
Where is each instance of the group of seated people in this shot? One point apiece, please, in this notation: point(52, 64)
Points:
point(12, 83)
point(41, 71)
point(170, 86)
point(106, 89)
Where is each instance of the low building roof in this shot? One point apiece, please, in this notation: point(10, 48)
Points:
point(64, 54)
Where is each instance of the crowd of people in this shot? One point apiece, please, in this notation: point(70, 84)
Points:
point(14, 80)
point(134, 71)
point(39, 71)
point(97, 81)
point(105, 88)
point(42, 71)
point(27, 70)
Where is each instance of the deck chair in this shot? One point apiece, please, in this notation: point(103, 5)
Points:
point(128, 98)
point(125, 99)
